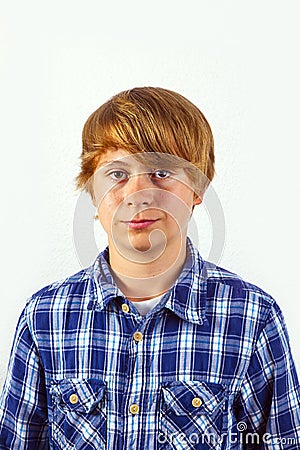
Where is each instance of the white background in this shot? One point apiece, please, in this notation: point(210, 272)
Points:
point(236, 60)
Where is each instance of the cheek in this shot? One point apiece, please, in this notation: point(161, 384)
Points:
point(105, 194)
point(179, 201)
point(186, 194)
point(108, 208)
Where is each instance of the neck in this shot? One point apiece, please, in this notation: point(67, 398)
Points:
point(143, 281)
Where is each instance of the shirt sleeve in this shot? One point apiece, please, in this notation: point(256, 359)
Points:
point(268, 404)
point(23, 402)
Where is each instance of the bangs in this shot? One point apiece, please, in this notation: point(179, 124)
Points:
point(132, 127)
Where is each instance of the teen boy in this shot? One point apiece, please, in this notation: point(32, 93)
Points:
point(151, 347)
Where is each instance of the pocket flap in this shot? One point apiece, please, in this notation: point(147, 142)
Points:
point(196, 397)
point(80, 395)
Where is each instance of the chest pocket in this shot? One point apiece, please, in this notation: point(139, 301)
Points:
point(78, 414)
point(193, 415)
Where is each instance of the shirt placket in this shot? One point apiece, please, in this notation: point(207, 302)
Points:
point(132, 403)
point(135, 408)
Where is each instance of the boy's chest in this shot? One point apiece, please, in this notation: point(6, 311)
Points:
point(152, 349)
point(152, 377)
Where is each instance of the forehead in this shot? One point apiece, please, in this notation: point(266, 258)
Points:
point(113, 158)
point(141, 160)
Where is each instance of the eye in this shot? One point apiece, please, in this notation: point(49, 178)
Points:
point(117, 175)
point(161, 174)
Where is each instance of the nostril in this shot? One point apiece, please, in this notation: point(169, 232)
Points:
point(138, 202)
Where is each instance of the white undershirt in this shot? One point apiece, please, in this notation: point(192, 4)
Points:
point(144, 306)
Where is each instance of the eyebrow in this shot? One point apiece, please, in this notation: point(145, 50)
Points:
point(115, 162)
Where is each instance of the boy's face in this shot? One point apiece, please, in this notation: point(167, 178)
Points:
point(143, 205)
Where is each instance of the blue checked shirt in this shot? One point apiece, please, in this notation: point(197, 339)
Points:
point(209, 367)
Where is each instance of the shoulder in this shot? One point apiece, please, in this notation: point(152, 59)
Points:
point(241, 296)
point(219, 276)
point(221, 283)
point(72, 289)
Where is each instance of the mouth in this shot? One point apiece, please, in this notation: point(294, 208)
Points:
point(139, 224)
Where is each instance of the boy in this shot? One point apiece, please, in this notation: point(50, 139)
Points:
point(151, 347)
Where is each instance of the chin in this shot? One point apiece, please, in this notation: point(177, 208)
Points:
point(152, 246)
point(140, 244)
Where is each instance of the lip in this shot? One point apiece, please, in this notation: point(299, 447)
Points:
point(139, 224)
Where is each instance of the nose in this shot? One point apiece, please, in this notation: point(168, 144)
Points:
point(139, 190)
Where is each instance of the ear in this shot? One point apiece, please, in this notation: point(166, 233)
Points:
point(94, 201)
point(197, 199)
point(91, 192)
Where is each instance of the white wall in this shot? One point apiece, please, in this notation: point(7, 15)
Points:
point(238, 61)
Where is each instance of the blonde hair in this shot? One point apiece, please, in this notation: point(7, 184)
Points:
point(147, 119)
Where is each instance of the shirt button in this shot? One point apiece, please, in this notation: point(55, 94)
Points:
point(134, 409)
point(125, 307)
point(73, 399)
point(196, 402)
point(137, 336)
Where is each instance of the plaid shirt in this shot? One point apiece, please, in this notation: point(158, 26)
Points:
point(209, 367)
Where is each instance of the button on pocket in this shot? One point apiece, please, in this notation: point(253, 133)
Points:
point(196, 402)
point(78, 414)
point(193, 415)
point(73, 399)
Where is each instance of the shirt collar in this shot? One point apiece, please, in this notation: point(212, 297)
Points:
point(186, 298)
